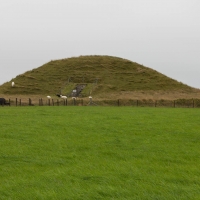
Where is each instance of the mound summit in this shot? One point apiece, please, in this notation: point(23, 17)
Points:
point(99, 75)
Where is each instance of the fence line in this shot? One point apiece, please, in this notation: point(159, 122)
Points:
point(179, 103)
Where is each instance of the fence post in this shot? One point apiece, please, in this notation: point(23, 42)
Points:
point(118, 102)
point(41, 102)
point(74, 101)
point(29, 102)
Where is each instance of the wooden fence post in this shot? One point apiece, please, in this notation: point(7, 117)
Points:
point(74, 101)
point(29, 101)
point(118, 103)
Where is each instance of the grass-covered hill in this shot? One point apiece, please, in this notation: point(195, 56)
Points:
point(101, 75)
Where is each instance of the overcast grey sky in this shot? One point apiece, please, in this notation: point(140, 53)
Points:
point(160, 34)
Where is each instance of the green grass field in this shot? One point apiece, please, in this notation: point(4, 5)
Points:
point(99, 153)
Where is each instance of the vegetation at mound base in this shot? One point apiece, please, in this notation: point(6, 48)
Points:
point(102, 75)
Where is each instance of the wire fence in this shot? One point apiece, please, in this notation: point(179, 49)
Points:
point(179, 103)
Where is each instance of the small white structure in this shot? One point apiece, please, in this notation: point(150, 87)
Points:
point(63, 97)
point(13, 84)
point(91, 102)
point(49, 97)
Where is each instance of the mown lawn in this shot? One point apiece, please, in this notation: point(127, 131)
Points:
point(99, 153)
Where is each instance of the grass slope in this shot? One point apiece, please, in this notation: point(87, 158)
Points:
point(99, 153)
point(103, 75)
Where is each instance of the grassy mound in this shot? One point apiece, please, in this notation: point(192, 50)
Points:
point(102, 75)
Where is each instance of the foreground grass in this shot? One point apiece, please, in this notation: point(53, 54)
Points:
point(99, 153)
